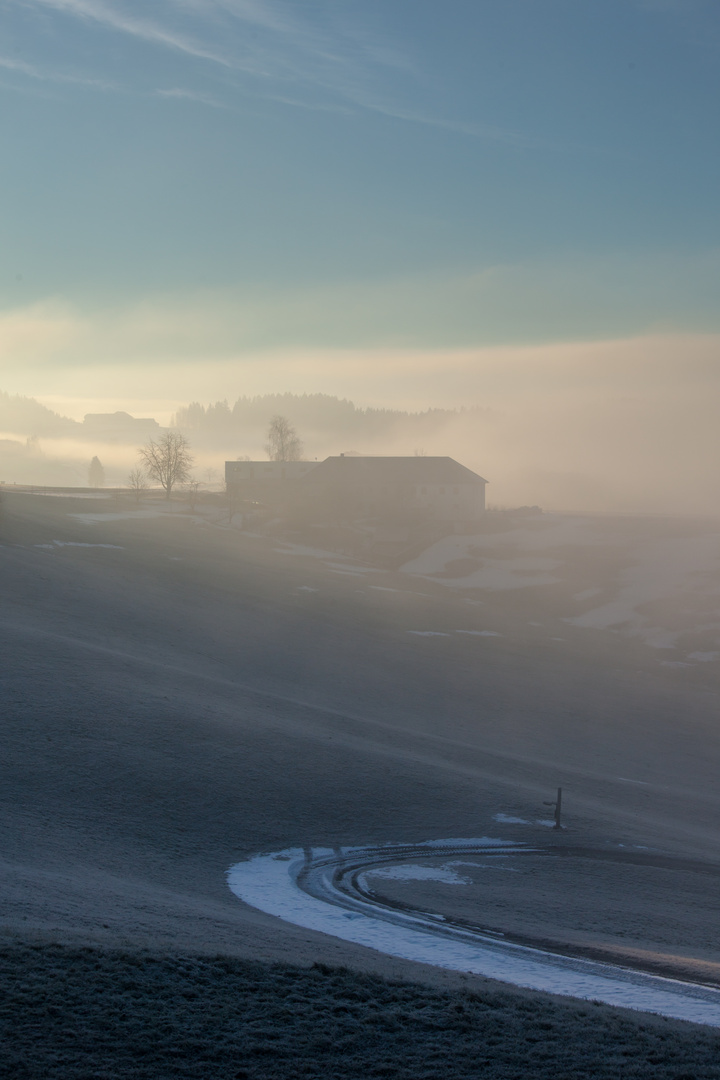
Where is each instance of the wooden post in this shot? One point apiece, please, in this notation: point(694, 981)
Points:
point(558, 808)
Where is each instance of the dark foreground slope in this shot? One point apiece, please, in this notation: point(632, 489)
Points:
point(177, 696)
point(68, 1014)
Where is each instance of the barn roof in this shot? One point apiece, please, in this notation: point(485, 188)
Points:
point(391, 470)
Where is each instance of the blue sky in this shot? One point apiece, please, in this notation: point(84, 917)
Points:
point(342, 175)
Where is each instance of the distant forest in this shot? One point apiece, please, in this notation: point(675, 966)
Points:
point(320, 419)
point(26, 416)
point(312, 413)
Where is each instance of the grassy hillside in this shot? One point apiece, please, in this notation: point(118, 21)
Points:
point(69, 1014)
point(179, 695)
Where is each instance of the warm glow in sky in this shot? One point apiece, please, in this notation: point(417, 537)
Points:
point(404, 202)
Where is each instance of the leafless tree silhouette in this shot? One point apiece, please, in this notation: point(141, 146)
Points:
point(137, 482)
point(283, 441)
point(168, 460)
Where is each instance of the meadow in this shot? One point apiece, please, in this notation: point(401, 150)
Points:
point(81, 1013)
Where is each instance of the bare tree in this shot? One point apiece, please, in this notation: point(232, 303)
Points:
point(283, 441)
point(96, 473)
point(137, 482)
point(168, 460)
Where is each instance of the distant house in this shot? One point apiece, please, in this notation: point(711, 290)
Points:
point(385, 487)
point(120, 427)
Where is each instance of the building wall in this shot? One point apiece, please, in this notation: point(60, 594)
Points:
point(451, 502)
point(248, 478)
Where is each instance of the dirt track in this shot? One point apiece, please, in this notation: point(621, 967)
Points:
point(193, 695)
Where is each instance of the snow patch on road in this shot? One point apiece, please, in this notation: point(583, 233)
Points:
point(482, 841)
point(415, 872)
point(494, 865)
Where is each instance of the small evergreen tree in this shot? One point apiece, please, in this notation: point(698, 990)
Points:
point(96, 473)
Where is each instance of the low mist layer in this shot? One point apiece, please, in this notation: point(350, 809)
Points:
point(626, 426)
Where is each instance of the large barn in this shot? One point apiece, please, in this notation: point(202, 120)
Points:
point(379, 486)
point(439, 488)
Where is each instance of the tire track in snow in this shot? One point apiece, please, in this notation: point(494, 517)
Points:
point(323, 889)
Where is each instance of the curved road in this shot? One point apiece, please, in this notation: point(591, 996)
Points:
point(324, 890)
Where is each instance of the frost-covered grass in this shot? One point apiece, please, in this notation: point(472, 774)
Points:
point(86, 1013)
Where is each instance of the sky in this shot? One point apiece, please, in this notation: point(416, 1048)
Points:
point(404, 202)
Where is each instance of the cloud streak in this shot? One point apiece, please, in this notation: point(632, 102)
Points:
point(109, 16)
point(180, 94)
point(324, 64)
point(32, 71)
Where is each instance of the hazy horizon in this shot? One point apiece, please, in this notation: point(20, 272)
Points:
point(510, 207)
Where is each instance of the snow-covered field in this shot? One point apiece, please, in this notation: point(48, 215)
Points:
point(658, 581)
point(179, 696)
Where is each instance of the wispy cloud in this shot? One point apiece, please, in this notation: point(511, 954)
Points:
point(110, 16)
point(46, 74)
point(478, 131)
point(327, 59)
point(191, 95)
point(20, 66)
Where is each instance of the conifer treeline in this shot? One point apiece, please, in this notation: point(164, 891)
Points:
point(24, 415)
point(308, 412)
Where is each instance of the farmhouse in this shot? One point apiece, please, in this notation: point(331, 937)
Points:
point(120, 427)
point(436, 488)
point(386, 487)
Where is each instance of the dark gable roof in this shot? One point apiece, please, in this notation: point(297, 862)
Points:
point(391, 470)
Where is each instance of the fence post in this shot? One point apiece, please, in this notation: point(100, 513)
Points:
point(558, 808)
